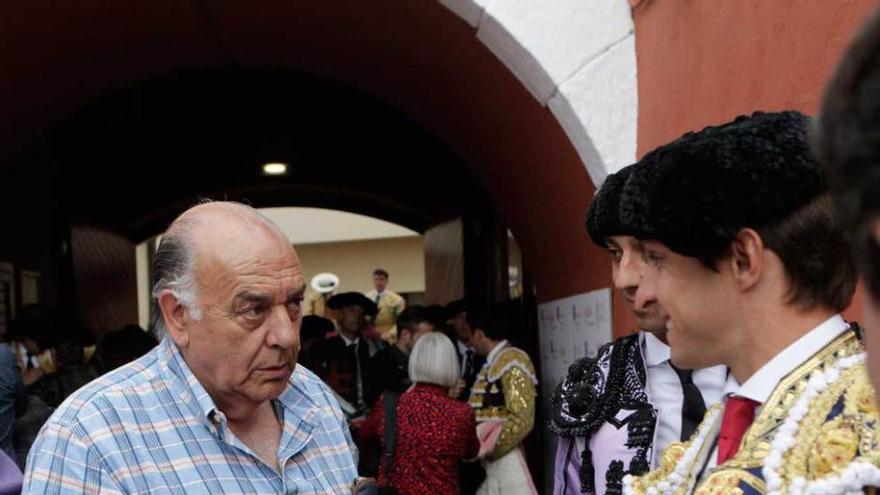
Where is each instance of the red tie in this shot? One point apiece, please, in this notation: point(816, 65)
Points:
point(739, 413)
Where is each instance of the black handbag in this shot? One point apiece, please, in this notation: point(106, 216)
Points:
point(389, 407)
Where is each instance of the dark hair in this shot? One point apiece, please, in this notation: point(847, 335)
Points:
point(41, 324)
point(846, 139)
point(455, 307)
point(491, 320)
point(380, 271)
point(816, 255)
point(314, 327)
point(436, 314)
point(603, 219)
point(410, 317)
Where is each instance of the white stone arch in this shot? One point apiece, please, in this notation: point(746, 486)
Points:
point(578, 58)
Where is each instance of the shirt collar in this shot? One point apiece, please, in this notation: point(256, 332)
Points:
point(655, 351)
point(462, 348)
point(190, 390)
point(495, 350)
point(295, 398)
point(760, 385)
point(348, 341)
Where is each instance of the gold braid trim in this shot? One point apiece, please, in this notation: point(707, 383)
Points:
point(727, 483)
point(508, 358)
point(822, 447)
point(519, 405)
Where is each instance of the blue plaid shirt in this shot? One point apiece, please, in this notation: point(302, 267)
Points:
point(150, 427)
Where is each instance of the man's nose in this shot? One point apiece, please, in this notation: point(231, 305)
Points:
point(283, 331)
point(646, 294)
point(628, 272)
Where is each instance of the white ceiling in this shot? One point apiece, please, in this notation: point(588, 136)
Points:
point(316, 225)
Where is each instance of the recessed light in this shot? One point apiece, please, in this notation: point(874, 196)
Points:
point(275, 168)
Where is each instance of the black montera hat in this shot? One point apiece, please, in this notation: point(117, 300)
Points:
point(346, 299)
point(603, 220)
point(696, 193)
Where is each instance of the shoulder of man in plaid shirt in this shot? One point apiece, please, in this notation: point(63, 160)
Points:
point(151, 427)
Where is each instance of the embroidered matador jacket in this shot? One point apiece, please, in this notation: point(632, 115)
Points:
point(604, 419)
point(835, 436)
point(505, 390)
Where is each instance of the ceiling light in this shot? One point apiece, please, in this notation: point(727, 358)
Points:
point(275, 168)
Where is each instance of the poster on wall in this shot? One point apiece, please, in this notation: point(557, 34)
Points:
point(572, 328)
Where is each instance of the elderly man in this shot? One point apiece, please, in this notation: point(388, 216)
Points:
point(746, 258)
point(220, 406)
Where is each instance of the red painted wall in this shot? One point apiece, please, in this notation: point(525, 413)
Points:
point(706, 62)
point(702, 63)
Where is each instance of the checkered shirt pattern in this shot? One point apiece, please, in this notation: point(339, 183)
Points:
point(150, 427)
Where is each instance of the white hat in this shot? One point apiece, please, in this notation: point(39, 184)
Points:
point(325, 282)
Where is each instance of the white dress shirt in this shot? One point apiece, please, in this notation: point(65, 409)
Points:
point(761, 384)
point(665, 392)
point(349, 341)
point(375, 295)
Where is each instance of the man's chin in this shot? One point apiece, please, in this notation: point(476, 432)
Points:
point(691, 360)
point(656, 326)
point(272, 390)
point(683, 362)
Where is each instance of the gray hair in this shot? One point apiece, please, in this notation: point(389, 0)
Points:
point(174, 267)
point(174, 263)
point(434, 360)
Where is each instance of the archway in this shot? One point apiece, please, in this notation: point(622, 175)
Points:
point(522, 104)
point(414, 57)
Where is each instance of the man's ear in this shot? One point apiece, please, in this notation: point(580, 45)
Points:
point(175, 317)
point(747, 258)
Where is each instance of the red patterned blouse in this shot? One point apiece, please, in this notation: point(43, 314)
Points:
point(434, 432)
